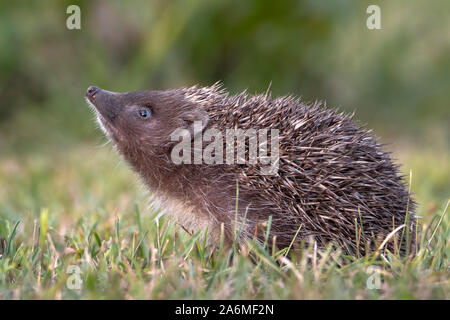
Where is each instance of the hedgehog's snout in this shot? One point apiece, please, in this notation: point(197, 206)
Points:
point(91, 91)
point(107, 103)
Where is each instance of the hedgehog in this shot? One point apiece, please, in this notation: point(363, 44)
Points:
point(330, 182)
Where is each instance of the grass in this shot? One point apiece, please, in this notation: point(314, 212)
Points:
point(84, 210)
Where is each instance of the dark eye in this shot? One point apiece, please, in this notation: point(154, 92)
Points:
point(144, 113)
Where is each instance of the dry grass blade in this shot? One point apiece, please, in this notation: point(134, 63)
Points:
point(389, 236)
point(439, 223)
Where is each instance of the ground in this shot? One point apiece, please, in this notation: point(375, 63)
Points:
point(76, 224)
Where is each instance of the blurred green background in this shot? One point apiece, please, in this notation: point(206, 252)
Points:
point(396, 79)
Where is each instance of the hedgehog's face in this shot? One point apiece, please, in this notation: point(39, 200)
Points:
point(141, 122)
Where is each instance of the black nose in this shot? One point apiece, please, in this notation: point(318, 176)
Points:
point(92, 90)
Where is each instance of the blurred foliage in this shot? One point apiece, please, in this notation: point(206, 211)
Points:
point(397, 78)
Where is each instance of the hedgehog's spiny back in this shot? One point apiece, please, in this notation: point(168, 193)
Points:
point(332, 173)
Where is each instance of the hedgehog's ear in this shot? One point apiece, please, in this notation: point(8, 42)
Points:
point(196, 121)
